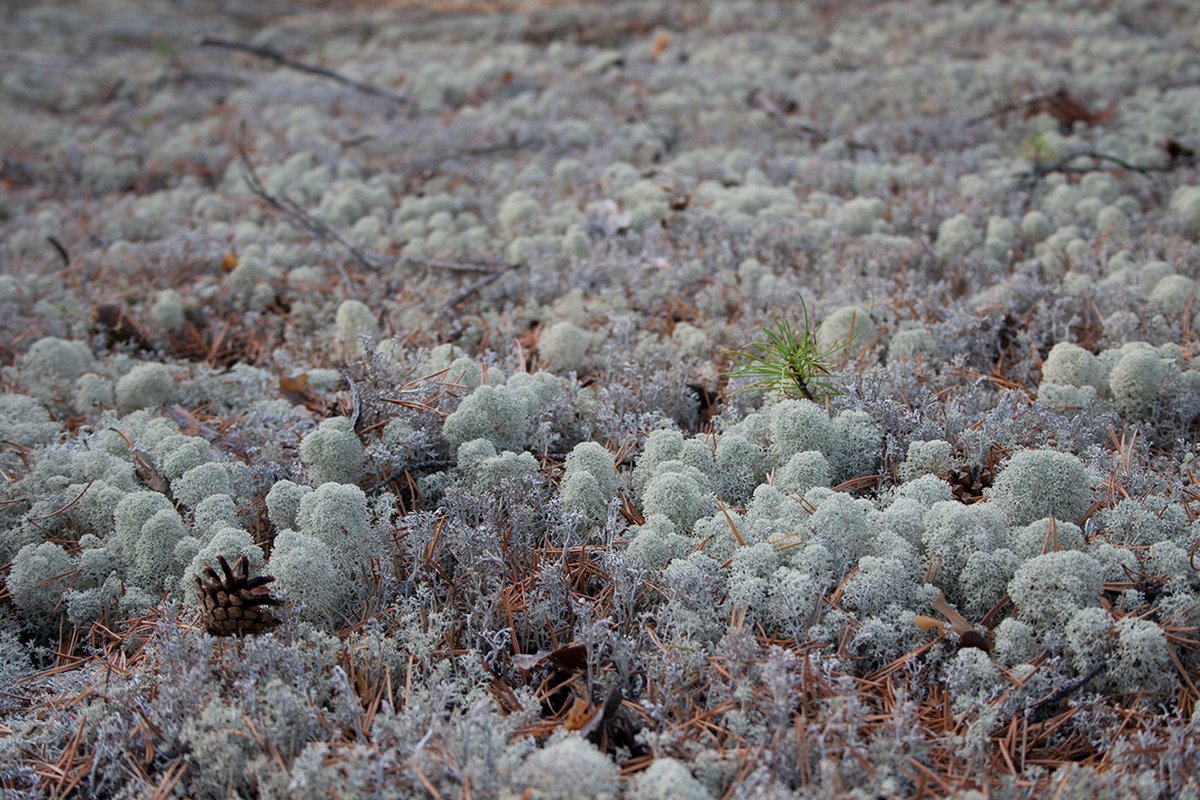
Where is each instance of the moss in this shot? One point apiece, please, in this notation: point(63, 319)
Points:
point(908, 344)
point(25, 421)
point(1143, 661)
point(846, 332)
point(490, 472)
point(155, 567)
point(796, 426)
point(570, 768)
point(667, 779)
point(1042, 483)
point(564, 346)
point(656, 543)
point(490, 412)
point(178, 453)
point(957, 236)
point(92, 390)
point(213, 513)
point(662, 445)
point(972, 680)
point(1049, 589)
point(857, 443)
point(39, 575)
point(925, 458)
point(1174, 293)
point(1185, 202)
point(1035, 226)
point(199, 482)
point(999, 237)
point(52, 365)
point(333, 453)
point(168, 310)
point(880, 581)
point(1047, 535)
point(303, 568)
point(859, 215)
point(1016, 642)
point(354, 321)
point(802, 472)
point(134, 511)
point(283, 503)
point(464, 372)
point(675, 495)
point(740, 467)
point(1071, 365)
point(519, 212)
point(144, 386)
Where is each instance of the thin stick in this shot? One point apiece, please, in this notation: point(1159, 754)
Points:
point(300, 66)
point(297, 215)
point(797, 129)
point(1061, 164)
point(58, 511)
point(1000, 111)
point(512, 143)
point(1029, 180)
point(485, 267)
point(477, 286)
point(62, 251)
point(1070, 688)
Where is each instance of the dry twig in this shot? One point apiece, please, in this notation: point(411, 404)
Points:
point(297, 215)
point(799, 130)
point(282, 60)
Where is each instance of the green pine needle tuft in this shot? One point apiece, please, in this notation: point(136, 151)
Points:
point(787, 361)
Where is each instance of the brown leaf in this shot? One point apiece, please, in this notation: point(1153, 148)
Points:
point(296, 384)
point(579, 714)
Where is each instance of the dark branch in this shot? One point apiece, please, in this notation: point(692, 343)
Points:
point(511, 144)
point(1029, 180)
point(300, 66)
point(477, 286)
point(296, 215)
point(1054, 698)
point(62, 251)
point(301, 219)
point(1022, 105)
point(799, 130)
point(485, 267)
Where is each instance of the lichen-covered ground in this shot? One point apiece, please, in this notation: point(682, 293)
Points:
point(430, 310)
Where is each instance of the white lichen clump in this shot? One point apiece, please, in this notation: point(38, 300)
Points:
point(1042, 483)
point(333, 453)
point(144, 386)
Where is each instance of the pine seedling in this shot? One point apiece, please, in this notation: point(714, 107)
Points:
point(787, 361)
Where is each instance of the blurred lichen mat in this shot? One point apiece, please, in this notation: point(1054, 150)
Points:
point(556, 399)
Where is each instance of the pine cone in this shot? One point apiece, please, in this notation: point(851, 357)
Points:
point(968, 482)
point(236, 604)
